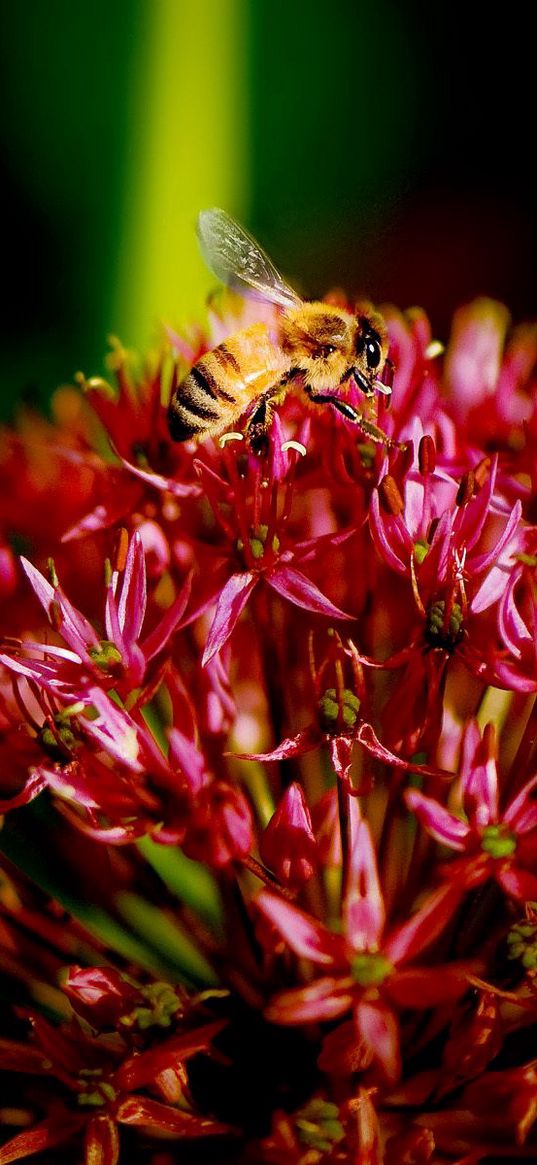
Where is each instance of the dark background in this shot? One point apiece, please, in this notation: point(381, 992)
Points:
point(389, 149)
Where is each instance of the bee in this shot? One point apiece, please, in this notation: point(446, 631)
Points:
point(316, 349)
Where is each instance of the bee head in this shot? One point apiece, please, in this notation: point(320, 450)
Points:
point(370, 348)
point(319, 339)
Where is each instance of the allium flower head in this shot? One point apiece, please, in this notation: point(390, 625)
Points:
point(268, 768)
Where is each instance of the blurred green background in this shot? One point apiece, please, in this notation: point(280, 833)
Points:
point(385, 147)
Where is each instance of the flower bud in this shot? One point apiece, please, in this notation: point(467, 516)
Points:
point(220, 831)
point(288, 844)
point(100, 995)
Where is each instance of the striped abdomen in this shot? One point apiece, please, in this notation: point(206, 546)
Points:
point(224, 382)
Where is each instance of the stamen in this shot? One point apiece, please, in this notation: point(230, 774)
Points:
point(465, 491)
point(427, 455)
point(300, 448)
point(121, 549)
point(223, 440)
point(52, 573)
point(481, 471)
point(390, 497)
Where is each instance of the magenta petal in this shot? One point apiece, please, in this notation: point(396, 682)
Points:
point(233, 599)
point(518, 883)
point(413, 936)
point(437, 820)
point(364, 905)
point(379, 1029)
point(185, 755)
point(307, 937)
point(158, 638)
point(490, 557)
point(292, 746)
point(166, 484)
point(395, 550)
point(294, 586)
point(325, 999)
point(521, 814)
point(75, 628)
point(479, 777)
point(113, 625)
point(513, 630)
point(133, 599)
point(42, 588)
point(34, 785)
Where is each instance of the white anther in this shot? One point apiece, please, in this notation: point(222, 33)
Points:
point(381, 387)
point(300, 448)
point(435, 348)
point(223, 440)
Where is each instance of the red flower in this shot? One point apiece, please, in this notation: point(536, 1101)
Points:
point(253, 511)
point(108, 1085)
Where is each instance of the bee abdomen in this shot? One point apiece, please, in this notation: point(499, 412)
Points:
point(196, 406)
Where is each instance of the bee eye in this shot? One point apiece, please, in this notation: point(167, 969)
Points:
point(327, 349)
point(373, 353)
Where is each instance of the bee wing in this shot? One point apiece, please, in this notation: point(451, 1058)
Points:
point(238, 261)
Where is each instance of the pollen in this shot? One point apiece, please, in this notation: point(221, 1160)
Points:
point(370, 969)
point(498, 841)
point(440, 633)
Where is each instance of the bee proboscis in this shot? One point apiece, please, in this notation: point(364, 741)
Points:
point(313, 348)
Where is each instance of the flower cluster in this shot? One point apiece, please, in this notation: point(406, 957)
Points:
point(268, 768)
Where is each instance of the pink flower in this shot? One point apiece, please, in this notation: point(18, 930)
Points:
point(498, 845)
point(120, 658)
point(363, 969)
point(516, 667)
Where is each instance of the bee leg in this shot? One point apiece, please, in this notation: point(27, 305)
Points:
point(379, 436)
point(258, 425)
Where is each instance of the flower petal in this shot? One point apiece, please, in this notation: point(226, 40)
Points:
point(133, 598)
point(33, 787)
point(142, 1069)
point(325, 999)
point(233, 598)
point(294, 586)
point(102, 1141)
point(158, 638)
point(363, 907)
point(379, 1029)
point(518, 883)
point(307, 937)
point(292, 746)
point(424, 987)
point(410, 939)
point(437, 820)
point(157, 1117)
point(46, 1135)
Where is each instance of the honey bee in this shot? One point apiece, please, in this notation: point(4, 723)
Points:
point(314, 348)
